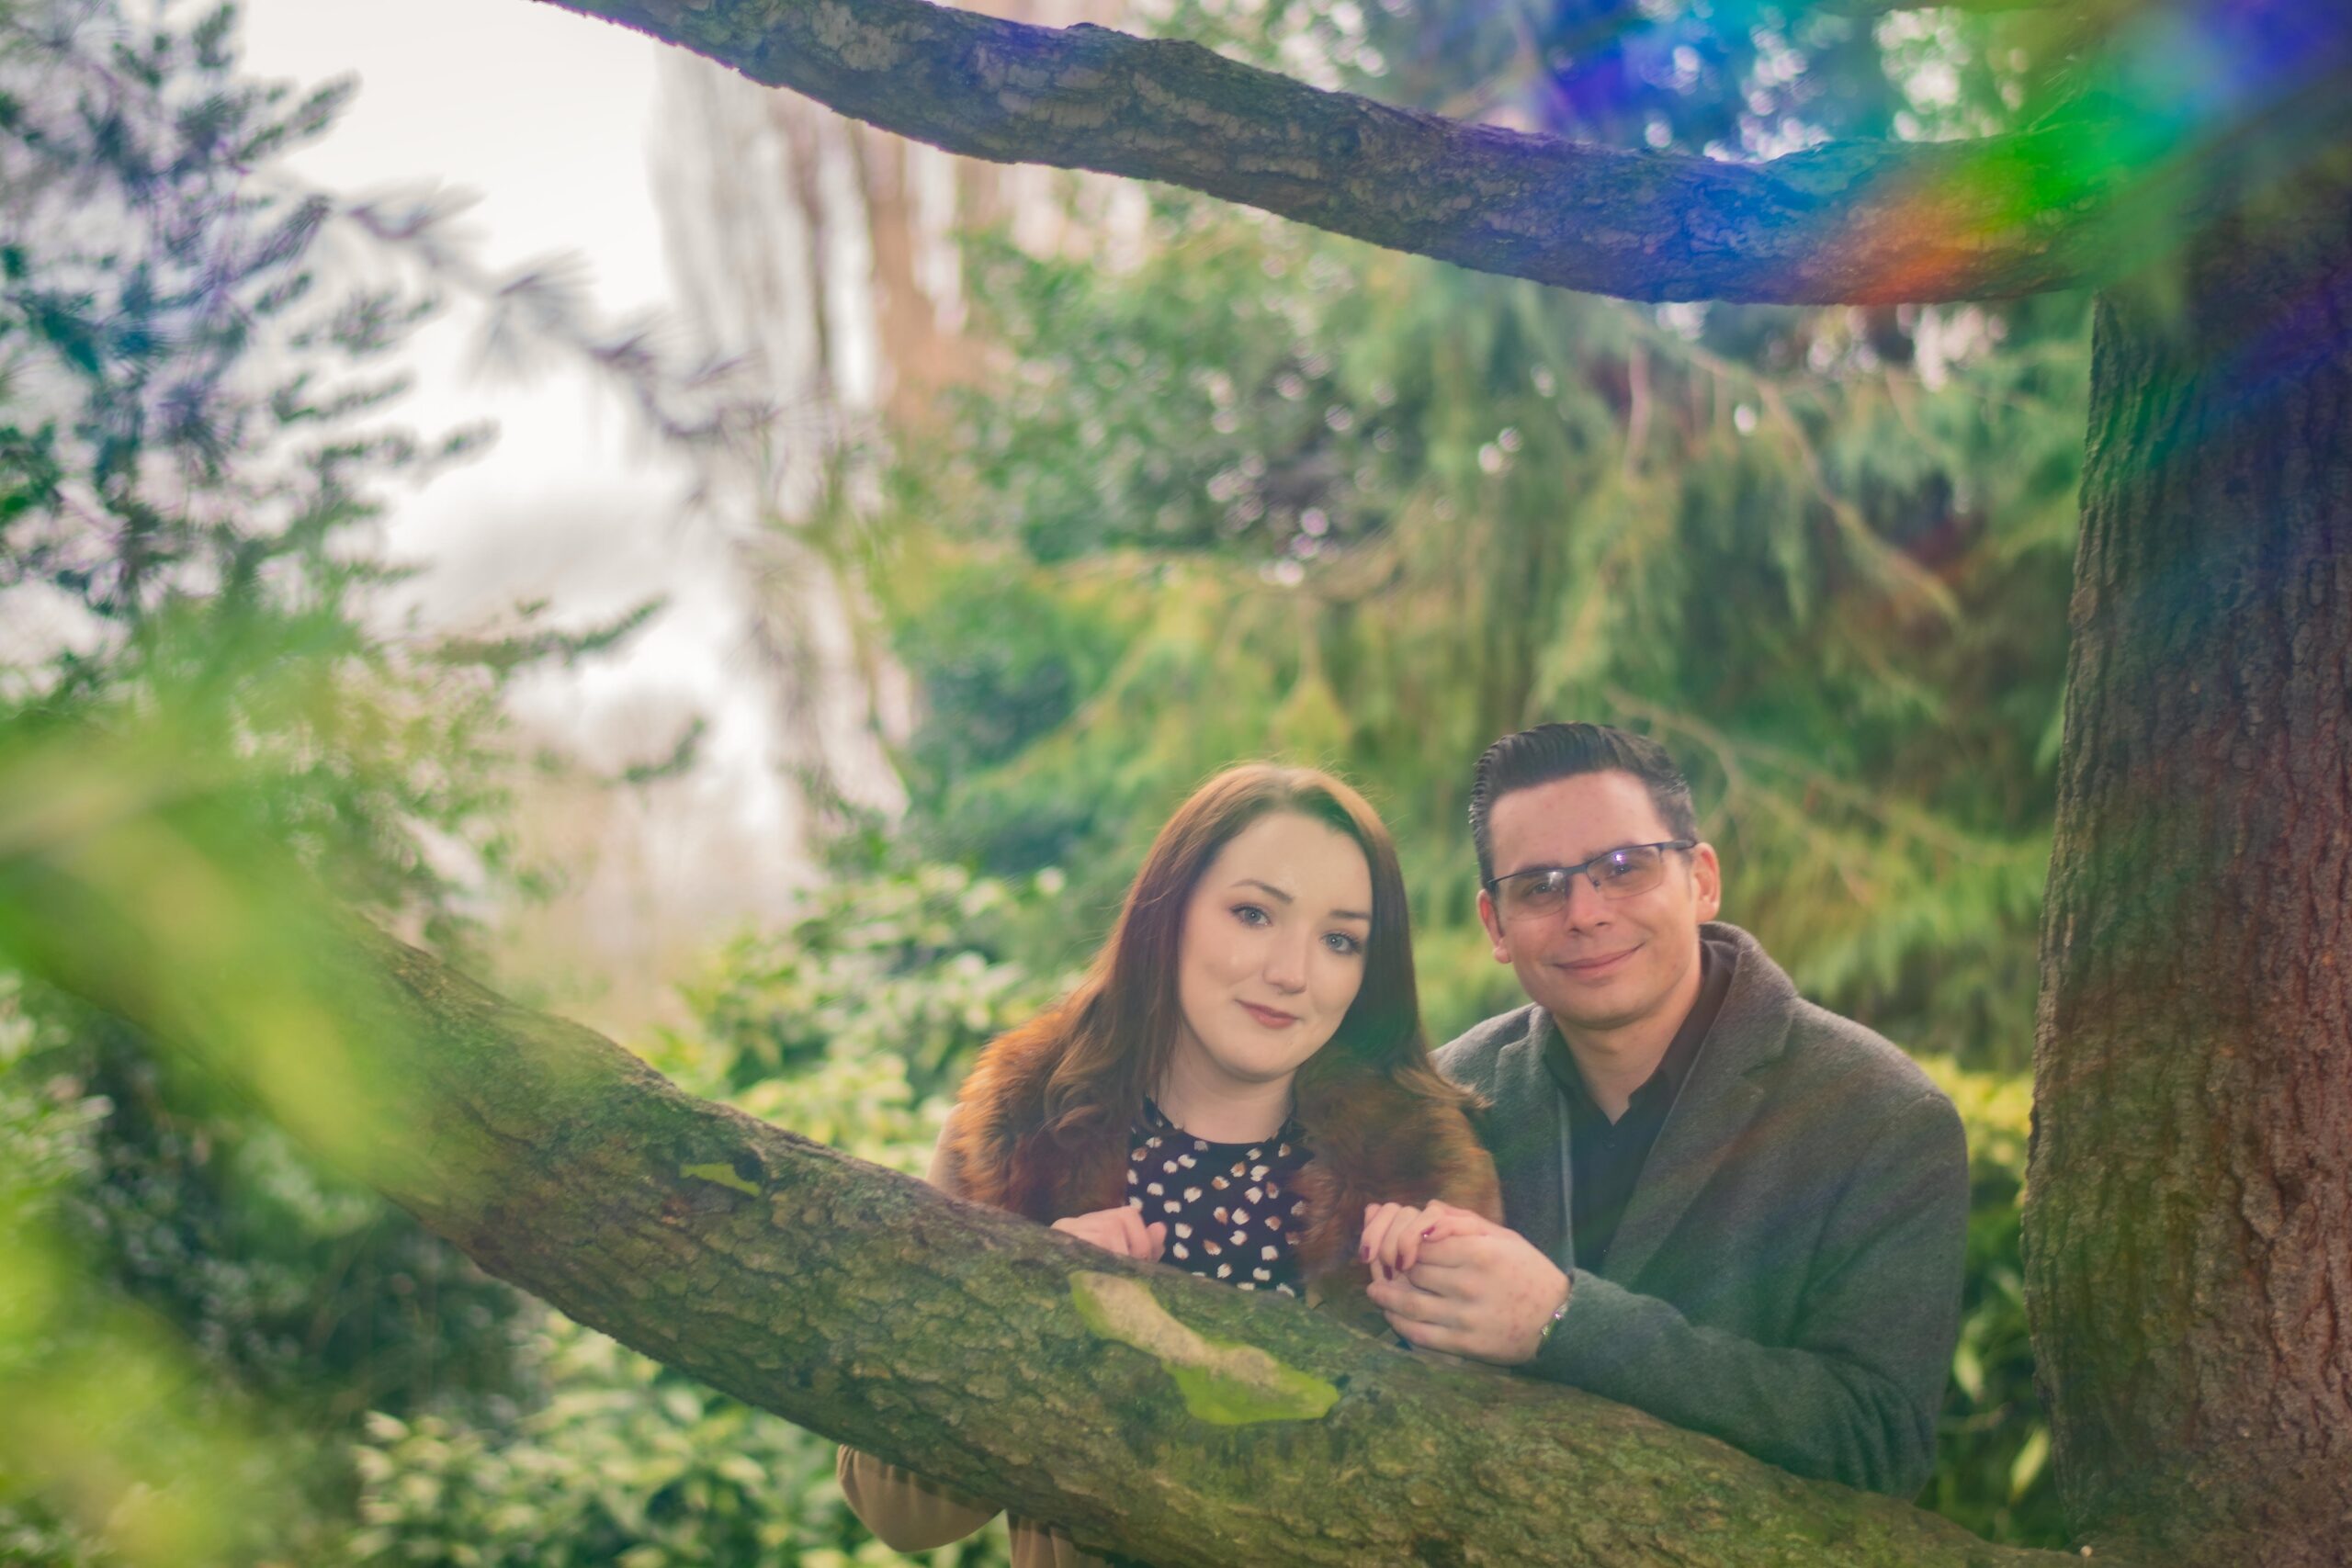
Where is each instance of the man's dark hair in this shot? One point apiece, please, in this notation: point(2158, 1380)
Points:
point(1551, 751)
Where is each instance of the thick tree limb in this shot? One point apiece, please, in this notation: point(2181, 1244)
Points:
point(1856, 222)
point(1156, 1414)
point(1975, 7)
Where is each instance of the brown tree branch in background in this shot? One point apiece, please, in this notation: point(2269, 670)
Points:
point(1860, 223)
point(1974, 7)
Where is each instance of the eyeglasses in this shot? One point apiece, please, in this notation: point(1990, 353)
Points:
point(1615, 873)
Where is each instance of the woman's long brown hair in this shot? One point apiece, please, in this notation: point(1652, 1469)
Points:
point(1112, 1035)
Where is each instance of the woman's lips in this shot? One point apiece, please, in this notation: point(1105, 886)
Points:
point(1272, 1018)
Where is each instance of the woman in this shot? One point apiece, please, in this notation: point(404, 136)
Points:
point(1239, 1083)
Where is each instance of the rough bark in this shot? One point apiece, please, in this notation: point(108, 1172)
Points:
point(1848, 223)
point(1156, 1414)
point(2189, 1237)
point(1979, 7)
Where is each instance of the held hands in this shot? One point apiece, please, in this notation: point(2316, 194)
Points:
point(1452, 1281)
point(1119, 1230)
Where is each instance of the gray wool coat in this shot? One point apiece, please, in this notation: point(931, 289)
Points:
point(1787, 1275)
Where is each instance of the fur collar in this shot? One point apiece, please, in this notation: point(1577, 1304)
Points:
point(1372, 1141)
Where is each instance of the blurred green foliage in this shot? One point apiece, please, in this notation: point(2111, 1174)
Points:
point(623, 1463)
point(196, 446)
point(1993, 1469)
point(1835, 590)
point(1258, 493)
point(113, 1436)
point(906, 970)
point(192, 450)
point(1246, 488)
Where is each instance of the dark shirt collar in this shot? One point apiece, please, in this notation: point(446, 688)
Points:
point(1717, 960)
point(1156, 1120)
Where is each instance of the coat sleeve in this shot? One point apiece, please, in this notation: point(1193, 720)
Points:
point(904, 1511)
point(1854, 1397)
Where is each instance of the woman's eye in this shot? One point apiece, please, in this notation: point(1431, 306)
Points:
point(1251, 915)
point(1340, 941)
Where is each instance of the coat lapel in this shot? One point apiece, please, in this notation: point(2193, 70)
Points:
point(1531, 1157)
point(1712, 1114)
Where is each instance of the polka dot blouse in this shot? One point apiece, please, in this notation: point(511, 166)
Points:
point(1229, 1208)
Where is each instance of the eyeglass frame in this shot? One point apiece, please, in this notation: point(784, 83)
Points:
point(1584, 869)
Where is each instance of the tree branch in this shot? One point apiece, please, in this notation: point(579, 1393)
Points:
point(1853, 223)
point(1152, 1414)
point(1974, 7)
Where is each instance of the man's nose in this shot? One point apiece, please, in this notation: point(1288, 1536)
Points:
point(1586, 906)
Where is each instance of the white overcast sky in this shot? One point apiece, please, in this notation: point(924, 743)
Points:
point(544, 116)
point(543, 111)
point(547, 116)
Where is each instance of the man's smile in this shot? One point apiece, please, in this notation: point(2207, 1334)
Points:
point(1593, 968)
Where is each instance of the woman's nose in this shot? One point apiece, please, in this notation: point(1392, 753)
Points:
point(1287, 964)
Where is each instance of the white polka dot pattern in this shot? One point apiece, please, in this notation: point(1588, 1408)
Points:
point(1246, 1206)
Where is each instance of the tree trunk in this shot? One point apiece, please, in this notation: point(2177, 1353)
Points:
point(2188, 1236)
point(1152, 1414)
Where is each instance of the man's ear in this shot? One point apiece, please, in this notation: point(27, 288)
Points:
point(1493, 921)
point(1708, 873)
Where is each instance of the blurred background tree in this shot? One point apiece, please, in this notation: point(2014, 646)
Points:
point(195, 441)
point(1204, 486)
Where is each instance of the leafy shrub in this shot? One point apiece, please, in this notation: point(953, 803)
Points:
point(623, 1463)
point(1992, 1469)
point(913, 965)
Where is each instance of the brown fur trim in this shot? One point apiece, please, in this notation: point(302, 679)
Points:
point(1373, 1143)
point(997, 1148)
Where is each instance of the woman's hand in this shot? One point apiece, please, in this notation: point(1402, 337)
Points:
point(1393, 1233)
point(1119, 1230)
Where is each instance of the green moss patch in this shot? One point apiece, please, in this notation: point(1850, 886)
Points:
point(1222, 1382)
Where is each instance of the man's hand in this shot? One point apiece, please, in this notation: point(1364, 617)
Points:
point(1477, 1289)
point(1119, 1230)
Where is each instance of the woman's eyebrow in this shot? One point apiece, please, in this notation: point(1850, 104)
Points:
point(1269, 889)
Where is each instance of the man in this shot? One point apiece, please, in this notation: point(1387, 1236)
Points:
point(1726, 1206)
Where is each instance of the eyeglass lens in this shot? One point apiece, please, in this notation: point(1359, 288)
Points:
point(1620, 874)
